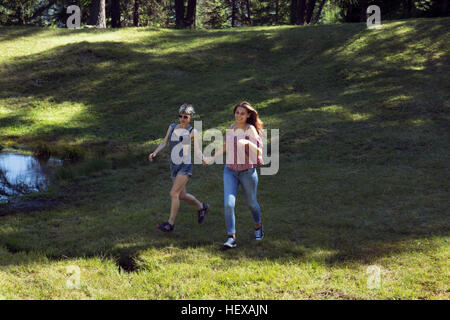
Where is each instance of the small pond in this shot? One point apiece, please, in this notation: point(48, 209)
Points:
point(21, 174)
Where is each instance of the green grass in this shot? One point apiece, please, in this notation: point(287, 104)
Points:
point(363, 181)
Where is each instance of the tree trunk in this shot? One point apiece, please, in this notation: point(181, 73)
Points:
point(319, 11)
point(301, 12)
point(98, 14)
point(233, 13)
point(362, 15)
point(294, 11)
point(93, 12)
point(249, 13)
point(406, 4)
point(277, 10)
point(115, 14)
point(444, 8)
point(136, 13)
point(190, 15)
point(179, 14)
point(352, 14)
point(310, 10)
point(19, 15)
point(102, 14)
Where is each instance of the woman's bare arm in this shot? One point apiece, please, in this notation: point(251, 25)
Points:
point(218, 153)
point(161, 146)
point(252, 133)
point(197, 148)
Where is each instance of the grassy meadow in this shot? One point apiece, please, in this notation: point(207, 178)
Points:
point(364, 162)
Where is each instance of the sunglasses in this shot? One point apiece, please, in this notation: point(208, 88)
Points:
point(184, 117)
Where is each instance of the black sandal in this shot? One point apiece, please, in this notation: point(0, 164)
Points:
point(202, 212)
point(165, 227)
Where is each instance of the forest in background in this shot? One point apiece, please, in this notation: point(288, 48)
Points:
point(211, 14)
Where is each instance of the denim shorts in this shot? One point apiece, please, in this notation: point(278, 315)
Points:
point(182, 168)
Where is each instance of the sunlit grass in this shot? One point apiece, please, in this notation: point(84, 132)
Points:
point(363, 117)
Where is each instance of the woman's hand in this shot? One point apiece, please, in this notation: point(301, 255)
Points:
point(151, 156)
point(207, 161)
point(243, 141)
point(252, 146)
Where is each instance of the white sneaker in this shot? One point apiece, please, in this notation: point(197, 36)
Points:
point(231, 243)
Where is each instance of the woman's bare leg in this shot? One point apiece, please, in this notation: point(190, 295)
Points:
point(189, 198)
point(179, 184)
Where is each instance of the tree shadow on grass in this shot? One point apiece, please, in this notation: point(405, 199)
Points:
point(127, 91)
point(328, 219)
point(13, 33)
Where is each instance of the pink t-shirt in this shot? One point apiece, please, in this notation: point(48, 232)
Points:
point(242, 157)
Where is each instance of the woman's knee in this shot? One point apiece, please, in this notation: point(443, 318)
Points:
point(253, 205)
point(182, 196)
point(229, 203)
point(174, 194)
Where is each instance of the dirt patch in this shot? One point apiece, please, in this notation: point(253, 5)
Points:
point(332, 294)
point(127, 263)
point(20, 206)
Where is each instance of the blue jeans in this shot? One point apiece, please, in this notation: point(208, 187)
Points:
point(231, 181)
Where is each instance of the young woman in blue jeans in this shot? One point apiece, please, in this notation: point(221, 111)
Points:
point(244, 153)
point(179, 136)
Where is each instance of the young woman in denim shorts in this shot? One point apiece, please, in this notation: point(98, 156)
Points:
point(244, 153)
point(179, 138)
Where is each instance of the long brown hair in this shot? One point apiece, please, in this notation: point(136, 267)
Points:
point(254, 117)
